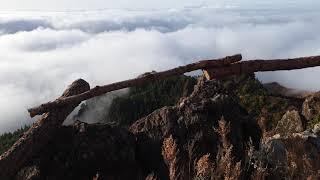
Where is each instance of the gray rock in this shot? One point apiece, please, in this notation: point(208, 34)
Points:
point(275, 150)
point(316, 129)
point(192, 124)
point(311, 106)
point(290, 123)
point(279, 150)
point(29, 173)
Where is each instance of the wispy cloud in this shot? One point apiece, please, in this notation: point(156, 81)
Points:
point(42, 52)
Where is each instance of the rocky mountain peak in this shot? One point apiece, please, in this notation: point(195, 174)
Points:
point(212, 133)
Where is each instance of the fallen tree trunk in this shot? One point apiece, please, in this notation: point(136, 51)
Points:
point(99, 90)
point(247, 67)
point(39, 134)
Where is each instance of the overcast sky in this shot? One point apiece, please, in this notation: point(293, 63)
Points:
point(91, 4)
point(107, 4)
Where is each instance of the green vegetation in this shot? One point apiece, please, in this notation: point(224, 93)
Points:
point(256, 99)
point(314, 121)
point(142, 100)
point(252, 94)
point(8, 139)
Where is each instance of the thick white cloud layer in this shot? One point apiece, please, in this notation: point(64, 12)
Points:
point(42, 52)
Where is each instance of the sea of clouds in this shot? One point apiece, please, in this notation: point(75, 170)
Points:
point(42, 52)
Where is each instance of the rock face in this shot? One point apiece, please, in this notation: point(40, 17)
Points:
point(179, 136)
point(311, 106)
point(33, 141)
point(275, 150)
point(170, 143)
point(290, 123)
point(295, 156)
point(82, 151)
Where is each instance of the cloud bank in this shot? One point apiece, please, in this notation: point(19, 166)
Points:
point(42, 52)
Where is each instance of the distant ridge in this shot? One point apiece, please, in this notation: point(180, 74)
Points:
point(277, 89)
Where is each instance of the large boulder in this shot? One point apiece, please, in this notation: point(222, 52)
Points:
point(82, 151)
point(311, 106)
point(290, 122)
point(294, 157)
point(275, 150)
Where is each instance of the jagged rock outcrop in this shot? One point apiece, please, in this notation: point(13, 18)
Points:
point(208, 135)
point(295, 156)
point(170, 143)
point(311, 106)
point(275, 150)
point(290, 122)
point(81, 151)
point(171, 140)
point(35, 139)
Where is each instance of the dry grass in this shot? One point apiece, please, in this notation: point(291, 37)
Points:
point(169, 149)
point(204, 166)
point(174, 160)
point(169, 153)
point(226, 168)
point(255, 160)
point(223, 131)
point(302, 160)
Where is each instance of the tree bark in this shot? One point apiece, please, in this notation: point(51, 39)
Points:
point(247, 67)
point(99, 90)
point(39, 134)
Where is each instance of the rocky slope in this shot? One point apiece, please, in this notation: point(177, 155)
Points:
point(228, 129)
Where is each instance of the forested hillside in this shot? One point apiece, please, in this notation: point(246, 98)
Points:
point(7, 139)
point(141, 101)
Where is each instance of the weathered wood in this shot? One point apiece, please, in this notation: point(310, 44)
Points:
point(99, 90)
point(39, 134)
point(247, 67)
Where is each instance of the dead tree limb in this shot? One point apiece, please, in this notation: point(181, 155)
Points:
point(39, 134)
point(247, 67)
point(99, 90)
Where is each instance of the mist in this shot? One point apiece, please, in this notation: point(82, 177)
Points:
point(42, 52)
